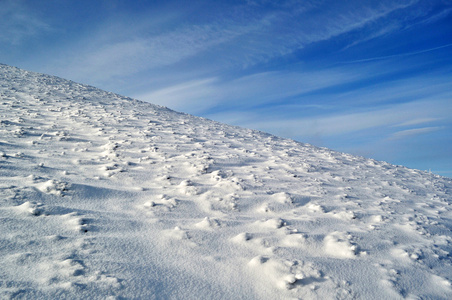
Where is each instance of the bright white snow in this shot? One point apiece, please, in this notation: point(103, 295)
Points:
point(105, 197)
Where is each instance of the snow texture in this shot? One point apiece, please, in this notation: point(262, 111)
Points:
point(106, 197)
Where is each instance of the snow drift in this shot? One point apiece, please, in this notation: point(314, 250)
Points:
point(106, 197)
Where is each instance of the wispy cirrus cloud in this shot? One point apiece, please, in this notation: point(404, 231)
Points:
point(191, 96)
point(297, 24)
point(417, 122)
point(123, 56)
point(413, 132)
point(336, 89)
point(241, 36)
point(206, 94)
point(401, 55)
point(18, 23)
point(381, 121)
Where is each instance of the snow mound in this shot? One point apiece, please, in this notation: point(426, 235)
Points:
point(106, 197)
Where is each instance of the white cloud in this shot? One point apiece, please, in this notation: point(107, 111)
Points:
point(194, 96)
point(417, 122)
point(119, 51)
point(292, 29)
point(435, 85)
point(243, 36)
point(292, 91)
point(398, 55)
point(414, 132)
point(378, 120)
point(18, 23)
point(436, 17)
point(200, 95)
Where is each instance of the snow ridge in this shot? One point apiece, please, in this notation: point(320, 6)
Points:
point(103, 196)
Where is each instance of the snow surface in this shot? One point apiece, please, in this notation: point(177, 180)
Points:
point(106, 197)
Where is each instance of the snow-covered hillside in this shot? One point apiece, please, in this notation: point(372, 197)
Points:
point(102, 196)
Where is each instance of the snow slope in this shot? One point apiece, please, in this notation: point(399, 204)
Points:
point(106, 197)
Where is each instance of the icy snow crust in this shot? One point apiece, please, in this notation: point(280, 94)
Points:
point(102, 196)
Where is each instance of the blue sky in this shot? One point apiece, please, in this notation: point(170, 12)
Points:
point(372, 78)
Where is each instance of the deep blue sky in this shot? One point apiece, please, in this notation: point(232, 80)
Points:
point(372, 78)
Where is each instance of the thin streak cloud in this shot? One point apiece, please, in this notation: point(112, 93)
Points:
point(397, 55)
point(417, 122)
point(414, 132)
